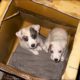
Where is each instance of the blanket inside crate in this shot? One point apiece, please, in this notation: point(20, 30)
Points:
point(39, 65)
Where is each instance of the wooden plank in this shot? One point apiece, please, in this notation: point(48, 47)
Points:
point(70, 7)
point(4, 4)
point(7, 33)
point(50, 13)
point(74, 59)
point(62, 5)
point(17, 72)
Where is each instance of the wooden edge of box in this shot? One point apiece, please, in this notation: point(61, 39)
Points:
point(3, 8)
point(74, 59)
point(46, 11)
point(12, 70)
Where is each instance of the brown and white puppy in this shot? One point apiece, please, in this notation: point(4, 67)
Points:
point(29, 38)
point(57, 44)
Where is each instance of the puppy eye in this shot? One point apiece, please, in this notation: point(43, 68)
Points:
point(60, 51)
point(51, 51)
point(25, 38)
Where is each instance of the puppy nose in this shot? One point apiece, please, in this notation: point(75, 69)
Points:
point(33, 45)
point(56, 60)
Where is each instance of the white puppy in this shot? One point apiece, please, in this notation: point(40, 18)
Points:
point(57, 44)
point(29, 38)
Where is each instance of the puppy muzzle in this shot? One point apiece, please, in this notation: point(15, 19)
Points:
point(33, 46)
point(56, 60)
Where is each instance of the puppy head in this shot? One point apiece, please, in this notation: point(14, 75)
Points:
point(57, 50)
point(29, 35)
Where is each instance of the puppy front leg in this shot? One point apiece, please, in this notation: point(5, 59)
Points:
point(39, 48)
point(35, 52)
point(46, 46)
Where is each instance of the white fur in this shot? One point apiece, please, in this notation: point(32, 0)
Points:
point(58, 40)
point(27, 44)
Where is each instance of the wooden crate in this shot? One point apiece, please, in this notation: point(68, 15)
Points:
point(12, 22)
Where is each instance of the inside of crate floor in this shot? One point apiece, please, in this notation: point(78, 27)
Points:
point(40, 65)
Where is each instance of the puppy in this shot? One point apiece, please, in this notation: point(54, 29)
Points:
point(57, 44)
point(29, 38)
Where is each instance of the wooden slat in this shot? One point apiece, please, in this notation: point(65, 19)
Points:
point(74, 59)
point(70, 7)
point(4, 4)
point(17, 72)
point(7, 32)
point(50, 13)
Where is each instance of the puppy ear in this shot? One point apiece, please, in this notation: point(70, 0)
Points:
point(49, 48)
point(19, 34)
point(36, 27)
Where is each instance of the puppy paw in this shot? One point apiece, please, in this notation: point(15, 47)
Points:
point(36, 53)
point(39, 48)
